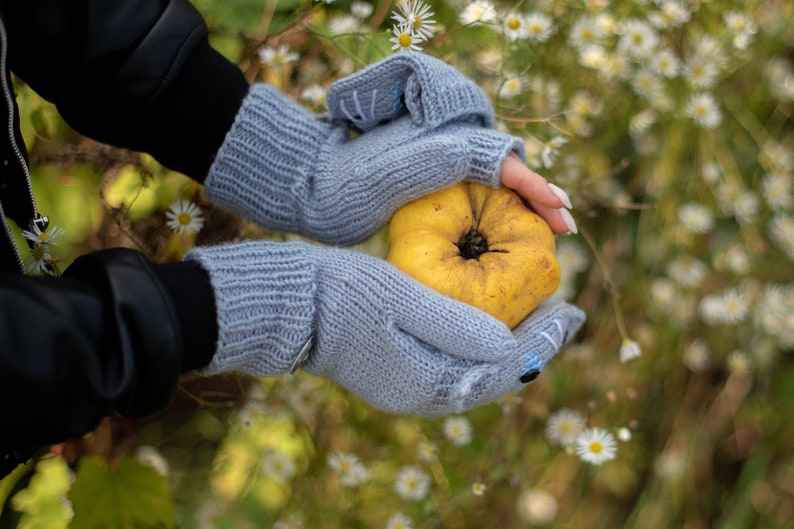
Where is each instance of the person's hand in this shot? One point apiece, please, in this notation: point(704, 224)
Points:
point(397, 130)
point(356, 319)
point(546, 199)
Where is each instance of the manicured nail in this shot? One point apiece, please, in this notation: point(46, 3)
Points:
point(562, 195)
point(567, 218)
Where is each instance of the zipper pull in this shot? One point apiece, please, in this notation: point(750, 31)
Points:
point(41, 221)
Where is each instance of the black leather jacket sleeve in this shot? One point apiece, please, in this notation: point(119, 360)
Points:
point(132, 73)
point(112, 335)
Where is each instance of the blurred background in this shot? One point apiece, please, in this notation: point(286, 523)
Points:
point(669, 124)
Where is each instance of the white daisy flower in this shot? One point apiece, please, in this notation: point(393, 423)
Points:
point(638, 39)
point(478, 12)
point(40, 260)
point(671, 14)
point(729, 307)
point(314, 94)
point(696, 217)
point(537, 507)
point(278, 466)
point(700, 72)
point(427, 451)
point(418, 16)
point(361, 10)
point(585, 32)
point(665, 63)
point(664, 294)
point(399, 521)
point(596, 446)
point(458, 430)
point(742, 27)
point(276, 56)
point(704, 110)
point(350, 469)
point(515, 27)
point(511, 87)
point(404, 39)
point(183, 216)
point(777, 190)
point(49, 236)
point(478, 488)
point(697, 355)
point(551, 150)
point(412, 483)
point(344, 25)
point(647, 84)
point(564, 426)
point(539, 27)
point(687, 271)
point(594, 57)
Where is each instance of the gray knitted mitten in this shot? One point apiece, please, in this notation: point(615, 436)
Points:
point(398, 130)
point(397, 344)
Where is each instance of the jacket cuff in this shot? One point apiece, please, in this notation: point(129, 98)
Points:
point(194, 301)
point(194, 114)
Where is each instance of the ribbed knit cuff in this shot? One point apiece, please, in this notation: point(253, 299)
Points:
point(261, 167)
point(484, 143)
point(265, 299)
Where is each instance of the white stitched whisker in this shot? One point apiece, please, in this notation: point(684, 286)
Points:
point(559, 327)
point(550, 339)
point(372, 105)
point(357, 102)
point(345, 111)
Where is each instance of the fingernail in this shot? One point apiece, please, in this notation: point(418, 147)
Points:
point(562, 195)
point(567, 218)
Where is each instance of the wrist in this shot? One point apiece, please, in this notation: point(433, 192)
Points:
point(265, 298)
point(262, 166)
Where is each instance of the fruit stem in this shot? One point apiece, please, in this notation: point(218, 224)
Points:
point(472, 245)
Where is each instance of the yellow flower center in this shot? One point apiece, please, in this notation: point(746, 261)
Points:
point(404, 40)
point(44, 236)
point(596, 447)
point(184, 219)
point(38, 253)
point(513, 23)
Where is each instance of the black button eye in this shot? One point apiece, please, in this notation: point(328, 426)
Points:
point(529, 376)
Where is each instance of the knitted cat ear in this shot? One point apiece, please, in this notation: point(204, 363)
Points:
point(428, 89)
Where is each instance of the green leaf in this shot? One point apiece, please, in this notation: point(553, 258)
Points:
point(130, 496)
point(42, 503)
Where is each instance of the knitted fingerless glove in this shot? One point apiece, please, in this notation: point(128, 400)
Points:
point(398, 130)
point(397, 344)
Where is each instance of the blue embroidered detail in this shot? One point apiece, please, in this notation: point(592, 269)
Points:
point(531, 363)
point(397, 90)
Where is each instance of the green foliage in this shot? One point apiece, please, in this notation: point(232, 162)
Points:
point(128, 495)
point(43, 503)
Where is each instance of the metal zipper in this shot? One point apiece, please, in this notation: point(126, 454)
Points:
point(39, 220)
